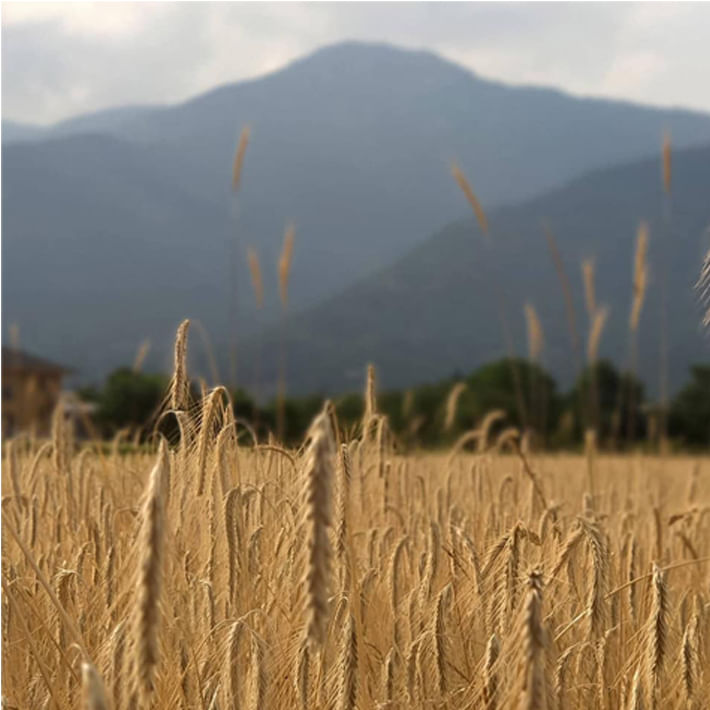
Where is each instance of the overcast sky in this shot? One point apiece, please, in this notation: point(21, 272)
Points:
point(60, 60)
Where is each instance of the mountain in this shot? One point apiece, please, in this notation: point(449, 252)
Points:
point(99, 248)
point(352, 143)
point(14, 132)
point(435, 311)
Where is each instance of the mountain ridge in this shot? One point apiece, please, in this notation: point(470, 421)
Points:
point(111, 112)
point(355, 154)
point(330, 344)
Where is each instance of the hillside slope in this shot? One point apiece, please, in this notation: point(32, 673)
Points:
point(99, 250)
point(435, 311)
point(352, 143)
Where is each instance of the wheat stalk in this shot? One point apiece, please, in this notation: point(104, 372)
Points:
point(490, 672)
point(341, 536)
point(486, 425)
point(640, 276)
point(599, 579)
point(319, 473)
point(666, 151)
point(141, 355)
point(690, 660)
point(656, 634)
point(533, 694)
point(257, 673)
point(536, 338)
point(566, 289)
point(589, 291)
point(440, 636)
point(238, 164)
point(636, 700)
point(302, 675)
point(179, 387)
point(348, 666)
point(595, 334)
point(151, 541)
point(471, 197)
point(285, 264)
point(451, 401)
point(561, 677)
point(256, 280)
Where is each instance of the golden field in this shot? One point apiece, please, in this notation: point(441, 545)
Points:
point(209, 570)
point(219, 572)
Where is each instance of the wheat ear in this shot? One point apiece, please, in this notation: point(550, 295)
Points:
point(319, 474)
point(179, 388)
point(348, 667)
point(656, 633)
point(150, 571)
point(490, 673)
point(534, 693)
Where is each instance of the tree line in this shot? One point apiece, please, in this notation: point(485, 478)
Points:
point(613, 404)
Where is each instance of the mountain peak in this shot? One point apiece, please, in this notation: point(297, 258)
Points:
point(356, 57)
point(351, 144)
point(360, 49)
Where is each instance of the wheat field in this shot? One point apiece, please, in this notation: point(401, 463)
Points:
point(218, 572)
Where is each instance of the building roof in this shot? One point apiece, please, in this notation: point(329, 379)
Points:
point(14, 359)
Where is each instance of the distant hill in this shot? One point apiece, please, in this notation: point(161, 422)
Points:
point(99, 251)
point(14, 132)
point(434, 312)
point(102, 212)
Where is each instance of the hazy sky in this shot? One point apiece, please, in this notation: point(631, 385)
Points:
point(61, 59)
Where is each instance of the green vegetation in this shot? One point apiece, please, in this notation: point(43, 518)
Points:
point(127, 399)
point(690, 410)
point(614, 403)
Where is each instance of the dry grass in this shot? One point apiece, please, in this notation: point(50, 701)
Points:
point(284, 266)
point(256, 280)
point(241, 151)
point(467, 190)
point(536, 336)
point(640, 276)
point(347, 574)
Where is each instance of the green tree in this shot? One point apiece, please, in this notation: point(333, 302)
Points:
point(612, 403)
point(130, 399)
point(244, 406)
point(349, 408)
point(426, 418)
point(689, 418)
point(299, 412)
point(494, 386)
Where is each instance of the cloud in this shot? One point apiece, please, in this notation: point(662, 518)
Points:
point(63, 59)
